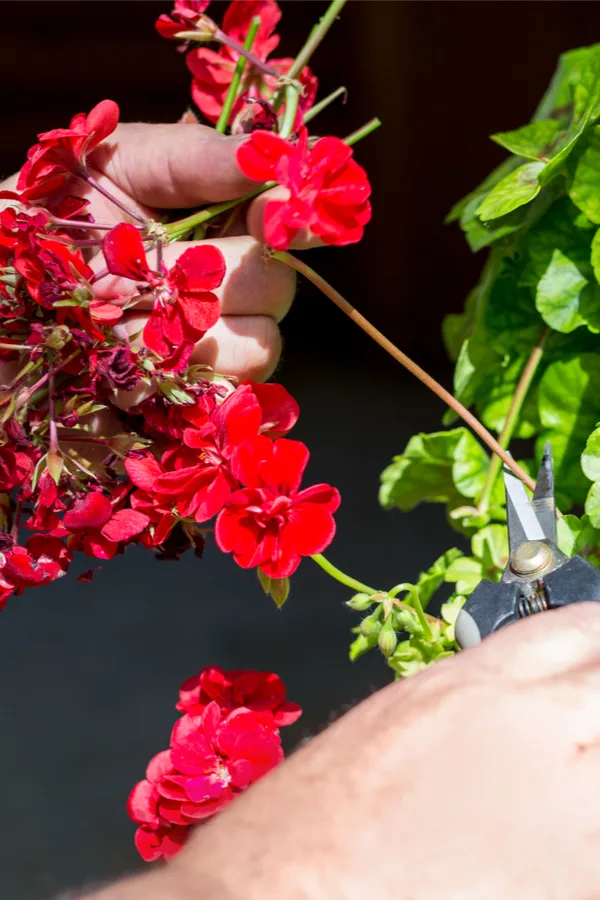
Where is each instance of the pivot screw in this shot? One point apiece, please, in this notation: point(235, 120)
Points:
point(531, 558)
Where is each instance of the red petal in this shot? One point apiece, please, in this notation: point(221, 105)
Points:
point(327, 496)
point(141, 805)
point(283, 472)
point(280, 411)
point(102, 121)
point(199, 269)
point(143, 472)
point(199, 312)
point(124, 525)
point(91, 513)
point(310, 529)
point(124, 253)
point(258, 156)
point(153, 334)
point(105, 313)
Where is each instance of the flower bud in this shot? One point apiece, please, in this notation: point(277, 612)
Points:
point(371, 625)
point(387, 639)
point(58, 337)
point(360, 602)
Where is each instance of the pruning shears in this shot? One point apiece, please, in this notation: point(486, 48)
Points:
point(538, 576)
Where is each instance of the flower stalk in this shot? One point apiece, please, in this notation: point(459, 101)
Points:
point(232, 93)
point(341, 576)
point(404, 360)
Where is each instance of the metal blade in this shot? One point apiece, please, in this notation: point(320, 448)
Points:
point(544, 502)
point(523, 524)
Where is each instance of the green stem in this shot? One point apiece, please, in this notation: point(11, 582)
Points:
point(176, 230)
point(237, 77)
point(360, 133)
point(512, 417)
point(341, 576)
point(292, 97)
point(417, 606)
point(315, 38)
point(323, 104)
point(397, 354)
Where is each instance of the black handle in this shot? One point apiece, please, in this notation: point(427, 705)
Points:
point(492, 606)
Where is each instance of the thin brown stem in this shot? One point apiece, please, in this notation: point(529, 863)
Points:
point(405, 361)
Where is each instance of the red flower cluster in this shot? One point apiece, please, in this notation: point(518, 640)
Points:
point(200, 447)
point(227, 739)
point(213, 70)
point(327, 190)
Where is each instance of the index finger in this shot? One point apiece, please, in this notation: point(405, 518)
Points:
point(172, 166)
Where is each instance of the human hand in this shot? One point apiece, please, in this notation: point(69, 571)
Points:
point(476, 779)
point(155, 167)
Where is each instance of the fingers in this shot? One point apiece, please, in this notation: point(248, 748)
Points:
point(304, 240)
point(171, 166)
point(240, 346)
point(252, 286)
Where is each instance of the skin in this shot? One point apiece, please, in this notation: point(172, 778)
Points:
point(478, 778)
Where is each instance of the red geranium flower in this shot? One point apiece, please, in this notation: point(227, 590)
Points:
point(198, 475)
point(63, 152)
point(184, 305)
point(15, 468)
point(97, 529)
point(41, 561)
point(328, 190)
point(144, 470)
point(271, 524)
point(212, 758)
point(213, 70)
point(259, 691)
point(183, 17)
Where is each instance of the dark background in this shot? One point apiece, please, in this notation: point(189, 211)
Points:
point(89, 673)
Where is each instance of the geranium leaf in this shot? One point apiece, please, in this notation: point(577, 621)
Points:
point(518, 188)
point(533, 141)
point(559, 292)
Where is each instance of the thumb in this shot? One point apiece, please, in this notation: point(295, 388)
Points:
point(171, 166)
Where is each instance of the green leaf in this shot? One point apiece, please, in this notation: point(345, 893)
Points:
point(533, 141)
point(569, 395)
point(435, 468)
point(568, 529)
point(466, 573)
point(584, 190)
point(490, 546)
point(497, 389)
point(559, 292)
point(596, 255)
point(469, 203)
point(592, 504)
point(470, 465)
point(518, 188)
point(430, 580)
point(561, 228)
point(590, 458)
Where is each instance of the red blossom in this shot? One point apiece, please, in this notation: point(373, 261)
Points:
point(46, 507)
point(212, 759)
point(271, 524)
point(328, 190)
point(41, 561)
point(198, 475)
point(213, 70)
point(183, 17)
point(15, 468)
point(144, 470)
point(63, 152)
point(259, 691)
point(97, 529)
point(185, 306)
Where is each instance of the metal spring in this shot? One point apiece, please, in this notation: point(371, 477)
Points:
point(529, 605)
